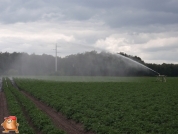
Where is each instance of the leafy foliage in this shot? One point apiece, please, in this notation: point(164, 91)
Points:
point(15, 109)
point(84, 64)
point(39, 119)
point(111, 107)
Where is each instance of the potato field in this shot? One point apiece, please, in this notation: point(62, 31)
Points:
point(24, 109)
point(141, 106)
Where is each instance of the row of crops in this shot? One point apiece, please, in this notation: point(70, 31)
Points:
point(24, 109)
point(15, 109)
point(111, 107)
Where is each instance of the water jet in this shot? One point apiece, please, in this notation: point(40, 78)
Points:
point(138, 63)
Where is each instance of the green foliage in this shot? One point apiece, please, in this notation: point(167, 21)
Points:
point(39, 119)
point(16, 110)
point(84, 64)
point(138, 59)
point(112, 107)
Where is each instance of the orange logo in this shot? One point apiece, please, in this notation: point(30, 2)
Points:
point(10, 124)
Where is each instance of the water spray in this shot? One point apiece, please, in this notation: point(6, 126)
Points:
point(138, 63)
point(161, 78)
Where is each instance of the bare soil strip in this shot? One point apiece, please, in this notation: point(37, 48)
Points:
point(69, 126)
point(3, 110)
point(3, 107)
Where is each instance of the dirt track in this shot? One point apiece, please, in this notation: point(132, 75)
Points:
point(69, 126)
point(3, 108)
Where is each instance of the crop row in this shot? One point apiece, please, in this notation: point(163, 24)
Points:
point(111, 107)
point(15, 109)
point(39, 119)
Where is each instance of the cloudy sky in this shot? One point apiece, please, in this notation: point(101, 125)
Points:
point(146, 28)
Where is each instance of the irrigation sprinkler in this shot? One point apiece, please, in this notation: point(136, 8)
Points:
point(161, 78)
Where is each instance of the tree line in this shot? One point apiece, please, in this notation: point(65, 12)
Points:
point(81, 64)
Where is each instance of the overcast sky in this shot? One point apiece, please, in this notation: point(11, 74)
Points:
point(146, 28)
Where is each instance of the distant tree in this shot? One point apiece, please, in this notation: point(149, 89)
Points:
point(86, 64)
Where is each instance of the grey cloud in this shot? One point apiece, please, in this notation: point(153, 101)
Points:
point(88, 21)
point(164, 56)
point(120, 18)
point(78, 13)
point(168, 48)
point(159, 5)
point(22, 11)
point(124, 13)
point(115, 13)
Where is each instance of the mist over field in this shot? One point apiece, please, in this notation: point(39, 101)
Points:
point(145, 30)
point(89, 66)
point(82, 64)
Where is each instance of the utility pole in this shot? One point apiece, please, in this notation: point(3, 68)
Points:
point(56, 57)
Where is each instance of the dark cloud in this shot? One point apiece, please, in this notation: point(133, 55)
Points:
point(168, 48)
point(107, 23)
point(166, 56)
point(141, 18)
point(116, 13)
